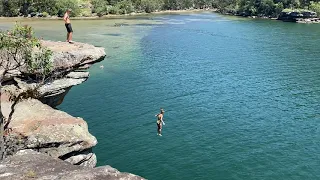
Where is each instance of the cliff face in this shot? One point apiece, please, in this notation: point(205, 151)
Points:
point(41, 127)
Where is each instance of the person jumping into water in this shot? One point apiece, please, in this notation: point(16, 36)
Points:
point(160, 121)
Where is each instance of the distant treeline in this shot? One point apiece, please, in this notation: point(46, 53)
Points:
point(269, 8)
point(272, 8)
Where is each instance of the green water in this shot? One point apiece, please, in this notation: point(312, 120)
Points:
point(241, 96)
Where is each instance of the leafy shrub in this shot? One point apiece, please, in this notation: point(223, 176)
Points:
point(101, 11)
point(278, 8)
point(125, 7)
point(315, 6)
point(86, 12)
point(98, 6)
point(45, 14)
point(21, 44)
point(10, 8)
point(114, 10)
point(32, 9)
point(48, 6)
point(149, 6)
point(63, 5)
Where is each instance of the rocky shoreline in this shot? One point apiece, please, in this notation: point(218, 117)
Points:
point(299, 17)
point(38, 127)
point(289, 16)
point(292, 16)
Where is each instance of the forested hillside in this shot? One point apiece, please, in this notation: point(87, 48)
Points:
point(103, 7)
point(271, 8)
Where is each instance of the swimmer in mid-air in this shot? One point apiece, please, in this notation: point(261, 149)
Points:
point(160, 121)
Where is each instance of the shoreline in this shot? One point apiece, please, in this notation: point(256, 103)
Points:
point(115, 16)
point(250, 17)
point(304, 20)
point(144, 14)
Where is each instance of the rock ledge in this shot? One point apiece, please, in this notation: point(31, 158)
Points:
point(28, 164)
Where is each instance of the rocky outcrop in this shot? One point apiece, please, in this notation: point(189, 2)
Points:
point(299, 16)
point(54, 92)
point(45, 136)
point(51, 131)
point(308, 20)
point(28, 164)
point(69, 60)
point(36, 123)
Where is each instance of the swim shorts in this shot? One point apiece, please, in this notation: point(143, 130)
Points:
point(69, 28)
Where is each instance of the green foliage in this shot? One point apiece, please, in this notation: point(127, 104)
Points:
point(99, 6)
point(270, 8)
point(20, 49)
point(149, 6)
point(125, 7)
point(10, 8)
point(278, 8)
point(267, 7)
point(315, 6)
point(114, 10)
point(45, 14)
point(86, 12)
point(48, 6)
point(101, 11)
point(103, 7)
point(63, 5)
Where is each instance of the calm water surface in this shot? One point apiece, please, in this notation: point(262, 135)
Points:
point(242, 97)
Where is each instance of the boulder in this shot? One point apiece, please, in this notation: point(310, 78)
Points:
point(50, 131)
point(28, 164)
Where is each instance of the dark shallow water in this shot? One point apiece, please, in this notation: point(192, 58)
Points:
point(241, 97)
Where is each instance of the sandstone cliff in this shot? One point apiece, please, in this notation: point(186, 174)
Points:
point(40, 126)
point(49, 141)
point(36, 124)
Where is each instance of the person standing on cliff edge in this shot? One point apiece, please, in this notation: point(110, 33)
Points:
point(67, 22)
point(160, 121)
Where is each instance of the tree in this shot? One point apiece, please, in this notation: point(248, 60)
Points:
point(102, 7)
point(267, 7)
point(315, 6)
point(63, 5)
point(21, 51)
point(278, 8)
point(10, 8)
